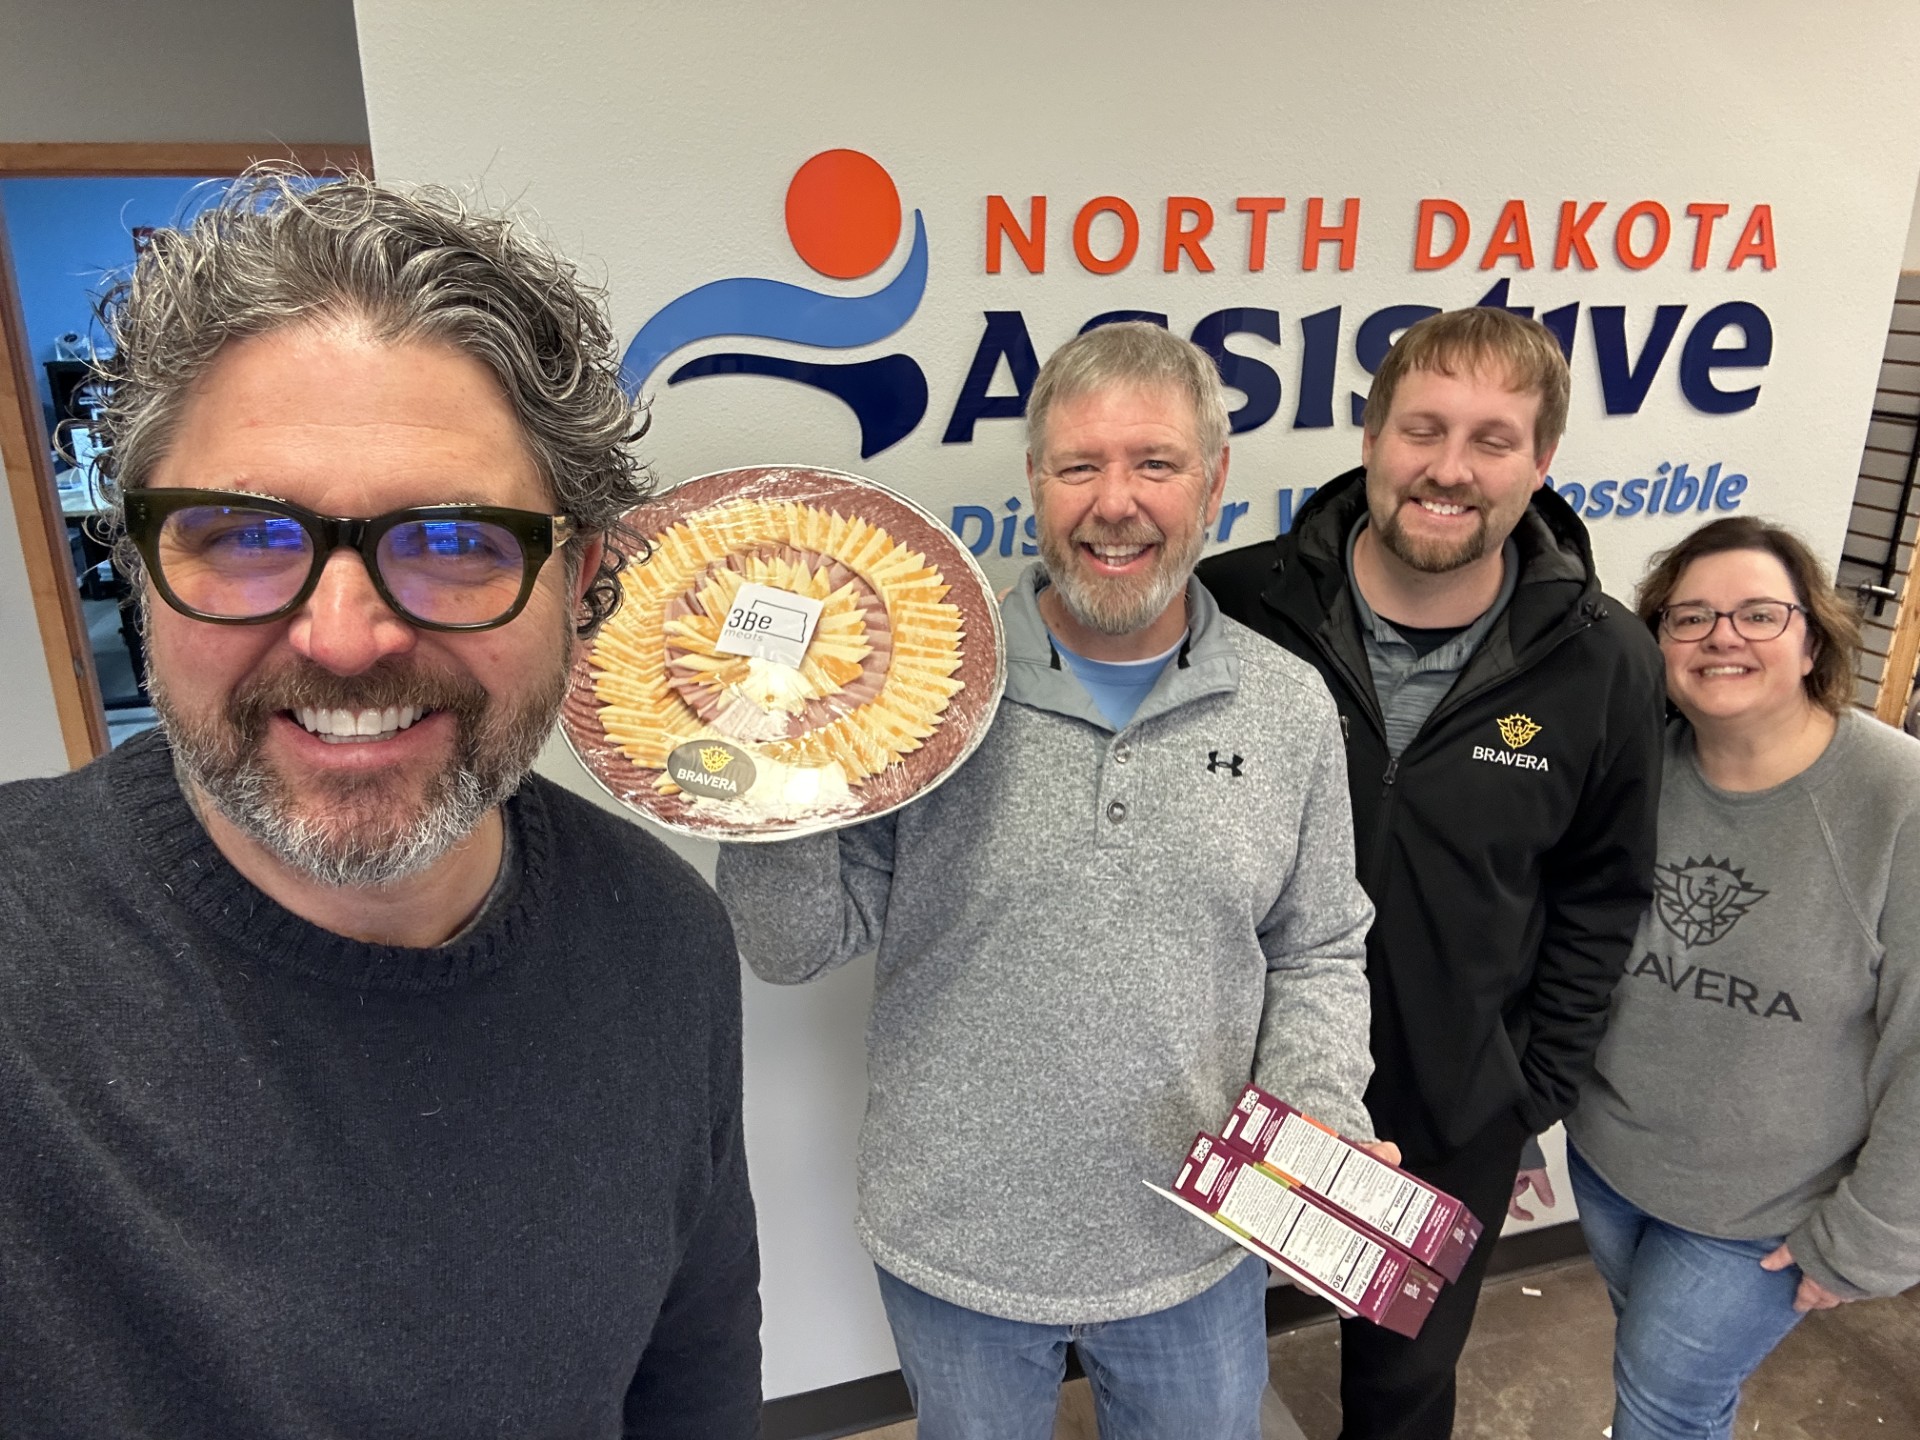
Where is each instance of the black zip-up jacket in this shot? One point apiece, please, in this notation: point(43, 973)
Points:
point(1509, 848)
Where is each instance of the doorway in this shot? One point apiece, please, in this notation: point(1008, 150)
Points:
point(85, 627)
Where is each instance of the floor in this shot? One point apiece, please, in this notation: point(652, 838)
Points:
point(1537, 1368)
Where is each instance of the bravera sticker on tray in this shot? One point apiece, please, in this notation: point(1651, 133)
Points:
point(802, 649)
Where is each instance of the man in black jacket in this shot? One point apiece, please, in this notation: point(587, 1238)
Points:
point(1503, 723)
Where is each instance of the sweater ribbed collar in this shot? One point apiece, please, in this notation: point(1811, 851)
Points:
point(1683, 758)
point(1206, 664)
point(173, 863)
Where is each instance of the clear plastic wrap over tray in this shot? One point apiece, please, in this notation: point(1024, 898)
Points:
point(899, 683)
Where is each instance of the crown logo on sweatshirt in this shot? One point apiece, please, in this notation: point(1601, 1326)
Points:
point(1699, 901)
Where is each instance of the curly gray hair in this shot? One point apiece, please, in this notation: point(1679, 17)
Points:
point(284, 248)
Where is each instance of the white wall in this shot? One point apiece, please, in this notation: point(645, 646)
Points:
point(30, 740)
point(1912, 261)
point(675, 178)
point(209, 70)
point(657, 143)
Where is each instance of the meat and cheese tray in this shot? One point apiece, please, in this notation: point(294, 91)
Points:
point(803, 649)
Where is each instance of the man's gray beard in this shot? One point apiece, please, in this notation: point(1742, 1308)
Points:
point(1120, 607)
point(494, 750)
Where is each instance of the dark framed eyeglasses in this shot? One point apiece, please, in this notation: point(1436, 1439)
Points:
point(234, 559)
point(1755, 620)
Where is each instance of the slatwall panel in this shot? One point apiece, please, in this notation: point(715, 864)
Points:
point(1883, 470)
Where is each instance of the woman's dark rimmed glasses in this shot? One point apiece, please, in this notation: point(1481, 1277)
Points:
point(234, 559)
point(1755, 620)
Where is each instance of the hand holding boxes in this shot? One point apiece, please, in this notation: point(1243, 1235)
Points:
point(1304, 1239)
point(1329, 1214)
point(1429, 1224)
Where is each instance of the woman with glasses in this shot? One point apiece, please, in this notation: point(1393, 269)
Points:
point(1748, 1147)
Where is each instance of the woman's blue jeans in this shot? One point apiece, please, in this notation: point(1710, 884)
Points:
point(1197, 1369)
point(1695, 1315)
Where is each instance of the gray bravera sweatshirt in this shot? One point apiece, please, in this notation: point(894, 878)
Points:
point(1088, 943)
point(1761, 1072)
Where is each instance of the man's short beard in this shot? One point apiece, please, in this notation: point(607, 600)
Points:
point(1121, 606)
point(1429, 557)
point(349, 835)
point(1432, 559)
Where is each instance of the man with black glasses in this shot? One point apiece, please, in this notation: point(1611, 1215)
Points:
point(351, 1080)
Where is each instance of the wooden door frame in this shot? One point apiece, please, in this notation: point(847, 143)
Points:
point(25, 446)
point(1896, 677)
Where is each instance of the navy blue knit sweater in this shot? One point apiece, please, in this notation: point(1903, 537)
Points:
point(258, 1179)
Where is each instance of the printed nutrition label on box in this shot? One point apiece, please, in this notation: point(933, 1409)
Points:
point(1260, 1205)
point(1331, 1253)
point(1338, 1257)
point(1307, 1153)
point(1383, 1198)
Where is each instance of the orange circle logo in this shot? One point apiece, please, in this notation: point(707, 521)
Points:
point(843, 213)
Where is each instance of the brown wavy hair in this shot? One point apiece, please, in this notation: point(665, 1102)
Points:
point(1832, 621)
point(1457, 341)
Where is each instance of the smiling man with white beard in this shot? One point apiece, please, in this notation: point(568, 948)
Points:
point(1137, 895)
point(354, 1081)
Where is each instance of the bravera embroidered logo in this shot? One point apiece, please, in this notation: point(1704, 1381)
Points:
point(843, 217)
point(1700, 901)
point(1516, 732)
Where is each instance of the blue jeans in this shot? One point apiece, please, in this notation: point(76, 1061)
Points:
point(1195, 1369)
point(1695, 1315)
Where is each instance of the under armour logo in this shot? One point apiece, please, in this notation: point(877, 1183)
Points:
point(1215, 763)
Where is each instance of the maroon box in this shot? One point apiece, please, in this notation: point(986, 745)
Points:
point(1383, 1199)
point(1313, 1244)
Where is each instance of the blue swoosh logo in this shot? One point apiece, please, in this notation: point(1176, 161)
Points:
point(774, 310)
point(887, 395)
